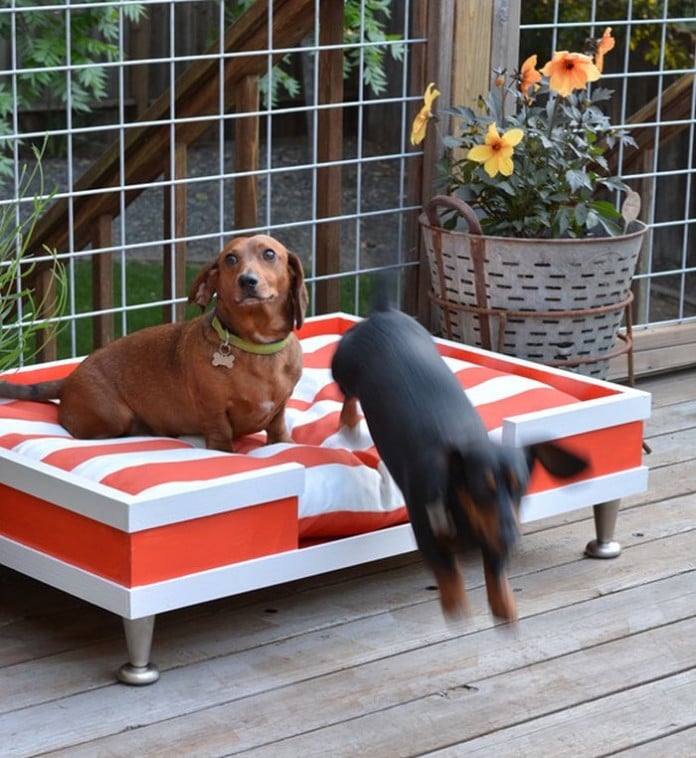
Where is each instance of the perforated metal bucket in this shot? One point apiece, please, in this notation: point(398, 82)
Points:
point(559, 302)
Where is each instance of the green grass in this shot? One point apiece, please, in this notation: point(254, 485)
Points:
point(144, 285)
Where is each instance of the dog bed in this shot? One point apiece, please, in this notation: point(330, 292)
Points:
point(140, 525)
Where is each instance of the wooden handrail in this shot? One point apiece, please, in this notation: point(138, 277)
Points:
point(146, 149)
point(674, 105)
point(196, 93)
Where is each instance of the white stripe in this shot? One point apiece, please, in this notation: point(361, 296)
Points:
point(22, 426)
point(456, 364)
point(312, 381)
point(335, 487)
point(312, 344)
point(501, 388)
point(41, 448)
point(101, 466)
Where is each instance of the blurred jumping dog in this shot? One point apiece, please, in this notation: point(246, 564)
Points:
point(461, 489)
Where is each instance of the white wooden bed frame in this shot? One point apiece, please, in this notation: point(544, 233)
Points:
point(617, 408)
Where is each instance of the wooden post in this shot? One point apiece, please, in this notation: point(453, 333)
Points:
point(466, 41)
point(45, 293)
point(330, 148)
point(486, 39)
point(246, 153)
point(102, 283)
point(174, 268)
point(140, 75)
point(435, 66)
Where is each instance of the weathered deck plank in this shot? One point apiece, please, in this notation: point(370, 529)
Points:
point(361, 662)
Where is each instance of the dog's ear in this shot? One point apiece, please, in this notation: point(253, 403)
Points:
point(298, 292)
point(555, 459)
point(205, 285)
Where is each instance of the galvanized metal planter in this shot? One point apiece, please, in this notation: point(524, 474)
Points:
point(560, 302)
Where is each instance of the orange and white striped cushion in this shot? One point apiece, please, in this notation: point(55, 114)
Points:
point(347, 488)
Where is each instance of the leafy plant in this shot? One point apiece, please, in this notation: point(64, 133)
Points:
point(675, 48)
point(530, 157)
point(40, 38)
point(364, 22)
point(20, 310)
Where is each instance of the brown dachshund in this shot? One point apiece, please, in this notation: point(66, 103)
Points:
point(224, 374)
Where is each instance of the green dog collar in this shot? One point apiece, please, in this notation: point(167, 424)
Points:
point(258, 348)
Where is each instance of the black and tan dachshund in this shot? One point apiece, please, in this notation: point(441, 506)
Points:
point(461, 489)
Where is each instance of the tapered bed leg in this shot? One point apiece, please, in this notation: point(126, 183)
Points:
point(138, 670)
point(605, 546)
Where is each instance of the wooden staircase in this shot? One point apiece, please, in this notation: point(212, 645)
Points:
point(145, 153)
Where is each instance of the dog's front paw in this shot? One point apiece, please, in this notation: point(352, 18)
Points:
point(500, 596)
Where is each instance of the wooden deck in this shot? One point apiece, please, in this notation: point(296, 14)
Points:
point(360, 662)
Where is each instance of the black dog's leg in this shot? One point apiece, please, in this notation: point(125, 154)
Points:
point(500, 597)
point(434, 533)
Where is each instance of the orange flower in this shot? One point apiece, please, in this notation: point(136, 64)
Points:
point(604, 45)
point(570, 71)
point(529, 77)
point(496, 153)
point(420, 122)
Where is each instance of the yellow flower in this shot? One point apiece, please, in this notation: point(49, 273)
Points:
point(529, 77)
point(605, 44)
point(420, 122)
point(570, 71)
point(496, 153)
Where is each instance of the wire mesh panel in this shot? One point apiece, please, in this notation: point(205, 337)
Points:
point(166, 128)
point(651, 71)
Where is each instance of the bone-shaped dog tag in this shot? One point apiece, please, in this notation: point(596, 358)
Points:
point(223, 357)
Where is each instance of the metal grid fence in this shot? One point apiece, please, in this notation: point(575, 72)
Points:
point(80, 78)
point(652, 73)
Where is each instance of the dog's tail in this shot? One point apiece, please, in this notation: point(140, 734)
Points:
point(41, 392)
point(380, 298)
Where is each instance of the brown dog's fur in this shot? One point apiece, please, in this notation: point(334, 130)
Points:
point(161, 380)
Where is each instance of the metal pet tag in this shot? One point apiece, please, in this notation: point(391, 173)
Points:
point(223, 357)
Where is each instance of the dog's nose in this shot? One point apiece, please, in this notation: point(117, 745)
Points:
point(248, 281)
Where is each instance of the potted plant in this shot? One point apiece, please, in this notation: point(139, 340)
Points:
point(526, 254)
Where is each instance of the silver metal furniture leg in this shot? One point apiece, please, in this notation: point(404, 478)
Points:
point(605, 522)
point(138, 670)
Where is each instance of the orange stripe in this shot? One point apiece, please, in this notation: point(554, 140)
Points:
point(204, 543)
point(493, 414)
point(310, 456)
point(607, 451)
point(321, 357)
point(73, 538)
point(318, 431)
point(10, 441)
point(566, 381)
point(71, 457)
point(474, 375)
point(329, 392)
point(27, 410)
point(323, 326)
point(135, 479)
point(153, 554)
point(347, 523)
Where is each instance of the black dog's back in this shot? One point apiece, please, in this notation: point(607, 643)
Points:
point(414, 405)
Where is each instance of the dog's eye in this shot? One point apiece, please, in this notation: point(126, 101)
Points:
point(269, 255)
point(231, 259)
